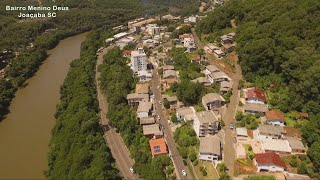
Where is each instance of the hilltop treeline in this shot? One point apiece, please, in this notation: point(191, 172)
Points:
point(278, 42)
point(116, 82)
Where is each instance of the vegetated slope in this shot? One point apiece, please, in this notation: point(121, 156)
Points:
point(278, 41)
point(77, 147)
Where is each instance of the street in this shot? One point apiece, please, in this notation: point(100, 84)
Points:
point(176, 158)
point(228, 117)
point(114, 141)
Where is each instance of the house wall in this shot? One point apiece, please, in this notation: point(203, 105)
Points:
point(208, 157)
point(196, 126)
point(270, 168)
point(276, 123)
point(255, 100)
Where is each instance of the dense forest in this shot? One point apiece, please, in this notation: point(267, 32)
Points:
point(116, 82)
point(278, 44)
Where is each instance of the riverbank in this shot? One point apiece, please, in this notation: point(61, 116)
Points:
point(26, 131)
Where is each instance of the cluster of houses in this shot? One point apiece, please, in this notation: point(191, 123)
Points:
point(227, 45)
point(187, 41)
point(214, 75)
point(146, 117)
point(270, 140)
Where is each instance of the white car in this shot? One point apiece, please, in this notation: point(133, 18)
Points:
point(131, 169)
point(160, 102)
point(184, 173)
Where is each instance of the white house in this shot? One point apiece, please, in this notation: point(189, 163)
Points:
point(144, 109)
point(218, 77)
point(269, 132)
point(210, 148)
point(205, 123)
point(270, 162)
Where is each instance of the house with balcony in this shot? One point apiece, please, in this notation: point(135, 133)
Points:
point(210, 148)
point(205, 123)
point(212, 100)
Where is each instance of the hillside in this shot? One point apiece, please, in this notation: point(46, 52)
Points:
point(278, 43)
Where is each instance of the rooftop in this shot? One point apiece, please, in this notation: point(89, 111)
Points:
point(206, 117)
point(170, 98)
point(210, 144)
point(158, 146)
point(147, 120)
point(275, 115)
point(218, 75)
point(212, 97)
point(168, 67)
point(138, 96)
point(169, 73)
point(277, 145)
point(242, 132)
point(269, 129)
point(269, 159)
point(185, 111)
point(144, 107)
point(255, 107)
point(153, 129)
point(255, 92)
point(212, 68)
point(295, 143)
point(142, 88)
point(201, 80)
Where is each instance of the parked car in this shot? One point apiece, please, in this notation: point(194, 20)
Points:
point(184, 173)
point(231, 126)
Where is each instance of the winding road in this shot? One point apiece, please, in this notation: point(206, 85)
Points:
point(113, 139)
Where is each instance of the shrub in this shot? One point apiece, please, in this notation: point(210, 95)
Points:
point(203, 171)
point(293, 163)
point(250, 148)
point(196, 162)
point(251, 156)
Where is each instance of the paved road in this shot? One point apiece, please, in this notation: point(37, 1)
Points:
point(228, 117)
point(176, 158)
point(113, 139)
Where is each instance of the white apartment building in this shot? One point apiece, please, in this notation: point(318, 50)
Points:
point(205, 123)
point(138, 61)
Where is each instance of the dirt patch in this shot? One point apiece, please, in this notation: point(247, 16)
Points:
point(291, 131)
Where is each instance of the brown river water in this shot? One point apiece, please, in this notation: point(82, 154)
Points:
point(26, 131)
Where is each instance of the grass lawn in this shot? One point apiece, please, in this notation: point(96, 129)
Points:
point(212, 173)
point(260, 178)
point(246, 147)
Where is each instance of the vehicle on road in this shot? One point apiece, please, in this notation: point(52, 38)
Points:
point(131, 170)
point(160, 102)
point(184, 173)
point(231, 126)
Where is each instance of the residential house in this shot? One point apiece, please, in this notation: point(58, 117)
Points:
point(196, 59)
point(185, 113)
point(121, 43)
point(144, 109)
point(227, 48)
point(227, 38)
point(189, 41)
point(218, 77)
point(270, 132)
point(152, 131)
point(210, 148)
point(173, 100)
point(270, 162)
point(218, 53)
point(242, 134)
point(142, 88)
point(158, 147)
point(211, 69)
point(147, 120)
point(202, 80)
point(254, 95)
point(275, 117)
point(144, 76)
point(212, 100)
point(210, 48)
point(153, 29)
point(169, 74)
point(120, 35)
point(296, 145)
point(251, 108)
point(167, 67)
point(205, 123)
point(126, 53)
point(134, 98)
point(225, 86)
point(278, 146)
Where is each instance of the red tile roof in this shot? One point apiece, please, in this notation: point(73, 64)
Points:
point(256, 93)
point(126, 52)
point(275, 115)
point(269, 159)
point(195, 58)
point(158, 146)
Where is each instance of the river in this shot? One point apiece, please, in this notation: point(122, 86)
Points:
point(26, 131)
